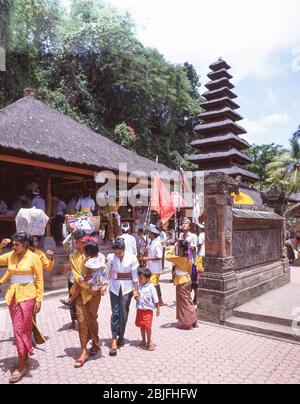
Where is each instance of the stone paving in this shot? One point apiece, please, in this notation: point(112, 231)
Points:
point(209, 354)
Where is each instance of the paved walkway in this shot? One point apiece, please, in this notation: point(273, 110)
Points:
point(209, 354)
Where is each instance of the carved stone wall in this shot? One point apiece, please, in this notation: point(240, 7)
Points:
point(254, 247)
point(237, 238)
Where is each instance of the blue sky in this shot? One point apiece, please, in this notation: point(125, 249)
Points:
point(260, 39)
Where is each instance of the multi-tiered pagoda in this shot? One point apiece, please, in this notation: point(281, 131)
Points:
point(220, 147)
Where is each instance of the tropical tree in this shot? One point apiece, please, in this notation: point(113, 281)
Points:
point(89, 64)
point(284, 170)
point(262, 156)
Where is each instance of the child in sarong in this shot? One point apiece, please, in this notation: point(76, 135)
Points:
point(96, 275)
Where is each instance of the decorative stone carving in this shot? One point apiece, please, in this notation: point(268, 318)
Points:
point(218, 264)
point(224, 200)
point(219, 183)
point(254, 247)
point(275, 199)
point(212, 223)
point(210, 202)
point(228, 224)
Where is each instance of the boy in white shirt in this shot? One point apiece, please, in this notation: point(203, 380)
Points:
point(147, 302)
point(154, 259)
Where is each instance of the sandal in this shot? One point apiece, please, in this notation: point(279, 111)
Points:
point(113, 352)
point(120, 343)
point(79, 363)
point(151, 347)
point(17, 376)
point(142, 345)
point(94, 352)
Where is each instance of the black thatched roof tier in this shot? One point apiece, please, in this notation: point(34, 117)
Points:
point(219, 148)
point(233, 171)
point(219, 83)
point(219, 115)
point(219, 75)
point(221, 127)
point(219, 155)
point(220, 64)
point(224, 102)
point(31, 128)
point(220, 93)
point(230, 139)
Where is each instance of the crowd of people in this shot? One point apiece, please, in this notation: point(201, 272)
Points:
point(132, 271)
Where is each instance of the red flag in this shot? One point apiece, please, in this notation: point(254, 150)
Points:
point(178, 201)
point(161, 201)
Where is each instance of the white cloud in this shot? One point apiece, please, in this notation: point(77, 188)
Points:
point(271, 99)
point(263, 125)
point(247, 34)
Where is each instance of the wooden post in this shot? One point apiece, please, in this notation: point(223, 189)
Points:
point(49, 205)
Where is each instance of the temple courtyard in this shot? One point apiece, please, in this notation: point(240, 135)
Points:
point(209, 354)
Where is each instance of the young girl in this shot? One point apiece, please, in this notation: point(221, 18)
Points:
point(96, 271)
point(147, 301)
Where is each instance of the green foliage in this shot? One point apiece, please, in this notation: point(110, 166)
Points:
point(284, 170)
point(89, 65)
point(261, 157)
point(124, 136)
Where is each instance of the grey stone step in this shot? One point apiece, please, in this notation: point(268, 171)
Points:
point(264, 318)
point(265, 328)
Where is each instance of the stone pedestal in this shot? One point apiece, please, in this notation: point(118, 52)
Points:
point(244, 252)
point(218, 279)
point(275, 199)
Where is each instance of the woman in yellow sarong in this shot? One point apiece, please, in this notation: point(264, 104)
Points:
point(186, 313)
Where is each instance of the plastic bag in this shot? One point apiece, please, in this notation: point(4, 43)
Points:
point(32, 221)
point(82, 223)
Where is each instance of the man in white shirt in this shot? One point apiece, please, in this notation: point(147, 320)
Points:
point(38, 202)
point(122, 268)
point(129, 240)
point(86, 205)
point(154, 259)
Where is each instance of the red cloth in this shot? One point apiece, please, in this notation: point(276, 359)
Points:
point(21, 315)
point(161, 201)
point(144, 319)
point(178, 201)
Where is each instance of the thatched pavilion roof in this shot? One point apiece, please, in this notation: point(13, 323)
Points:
point(30, 128)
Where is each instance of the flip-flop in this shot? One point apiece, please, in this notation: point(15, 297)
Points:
point(142, 345)
point(17, 376)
